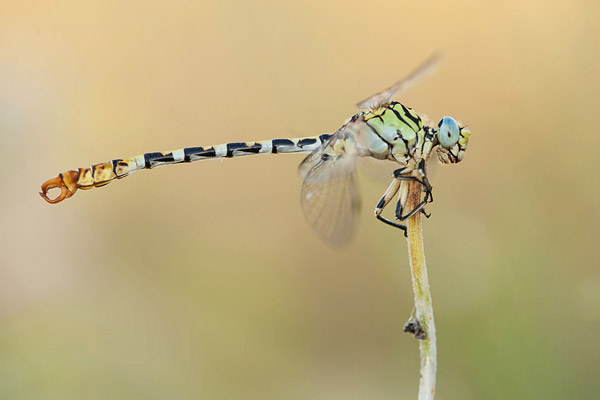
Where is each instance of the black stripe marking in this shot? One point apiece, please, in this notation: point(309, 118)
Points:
point(191, 151)
point(379, 136)
point(306, 142)
point(410, 116)
point(325, 137)
point(243, 147)
point(147, 158)
point(151, 159)
point(116, 162)
point(429, 133)
point(405, 141)
point(281, 143)
point(199, 152)
point(397, 114)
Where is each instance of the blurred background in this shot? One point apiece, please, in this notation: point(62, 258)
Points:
point(204, 281)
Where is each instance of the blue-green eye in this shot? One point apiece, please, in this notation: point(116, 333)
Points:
point(448, 132)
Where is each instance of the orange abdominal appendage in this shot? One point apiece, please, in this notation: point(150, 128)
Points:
point(66, 182)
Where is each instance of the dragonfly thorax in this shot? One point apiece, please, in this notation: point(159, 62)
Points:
point(392, 131)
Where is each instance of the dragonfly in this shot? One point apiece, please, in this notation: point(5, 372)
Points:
point(383, 130)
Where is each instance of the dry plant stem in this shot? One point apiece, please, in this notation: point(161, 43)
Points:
point(423, 308)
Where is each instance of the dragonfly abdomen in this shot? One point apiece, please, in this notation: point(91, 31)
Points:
point(102, 174)
point(234, 149)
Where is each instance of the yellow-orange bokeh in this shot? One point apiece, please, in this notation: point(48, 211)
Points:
point(203, 281)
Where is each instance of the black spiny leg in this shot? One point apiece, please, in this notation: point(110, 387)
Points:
point(427, 185)
point(418, 208)
point(392, 223)
point(385, 200)
point(428, 192)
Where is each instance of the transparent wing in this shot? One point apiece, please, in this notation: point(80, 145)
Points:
point(329, 197)
point(383, 97)
point(379, 171)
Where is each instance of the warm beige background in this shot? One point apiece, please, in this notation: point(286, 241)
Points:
point(204, 282)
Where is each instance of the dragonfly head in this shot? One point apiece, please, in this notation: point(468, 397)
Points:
point(453, 141)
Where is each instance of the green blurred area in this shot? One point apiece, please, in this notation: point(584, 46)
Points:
point(204, 281)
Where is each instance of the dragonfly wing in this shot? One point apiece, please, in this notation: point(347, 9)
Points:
point(329, 197)
point(378, 171)
point(383, 97)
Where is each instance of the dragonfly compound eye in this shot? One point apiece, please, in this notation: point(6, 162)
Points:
point(453, 141)
point(448, 132)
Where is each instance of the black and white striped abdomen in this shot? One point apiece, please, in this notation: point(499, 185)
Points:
point(228, 150)
point(101, 174)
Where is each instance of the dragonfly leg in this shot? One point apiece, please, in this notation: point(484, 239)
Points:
point(385, 200)
point(399, 175)
point(427, 185)
point(392, 223)
point(418, 208)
